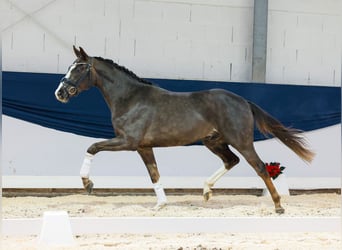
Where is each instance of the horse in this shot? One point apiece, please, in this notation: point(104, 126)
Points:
point(145, 116)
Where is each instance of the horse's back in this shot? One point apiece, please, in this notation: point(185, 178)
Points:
point(221, 101)
point(214, 105)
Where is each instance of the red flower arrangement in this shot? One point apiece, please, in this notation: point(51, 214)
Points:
point(274, 169)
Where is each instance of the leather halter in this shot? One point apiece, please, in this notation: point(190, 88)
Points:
point(85, 74)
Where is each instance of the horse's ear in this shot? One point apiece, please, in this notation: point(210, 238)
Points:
point(84, 55)
point(77, 52)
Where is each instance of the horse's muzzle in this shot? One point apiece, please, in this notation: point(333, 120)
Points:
point(62, 94)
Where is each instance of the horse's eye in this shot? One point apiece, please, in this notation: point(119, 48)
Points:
point(72, 90)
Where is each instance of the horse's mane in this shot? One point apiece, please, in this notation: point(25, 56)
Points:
point(122, 68)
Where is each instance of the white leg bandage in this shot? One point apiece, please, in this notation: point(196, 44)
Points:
point(85, 169)
point(158, 189)
point(212, 180)
point(216, 176)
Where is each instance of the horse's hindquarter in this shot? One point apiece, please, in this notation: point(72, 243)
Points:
point(184, 118)
point(233, 117)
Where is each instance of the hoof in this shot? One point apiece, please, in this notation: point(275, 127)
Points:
point(88, 185)
point(280, 210)
point(207, 192)
point(159, 206)
point(207, 195)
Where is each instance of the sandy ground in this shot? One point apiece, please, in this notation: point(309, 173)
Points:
point(321, 205)
point(224, 241)
point(178, 205)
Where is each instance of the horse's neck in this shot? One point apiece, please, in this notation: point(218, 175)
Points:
point(118, 89)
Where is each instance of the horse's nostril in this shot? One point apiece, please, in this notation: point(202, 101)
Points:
point(72, 90)
point(59, 94)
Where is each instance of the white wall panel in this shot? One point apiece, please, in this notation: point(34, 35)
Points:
point(304, 42)
point(176, 13)
point(188, 32)
point(304, 37)
point(205, 14)
point(148, 11)
point(216, 69)
point(325, 7)
point(145, 36)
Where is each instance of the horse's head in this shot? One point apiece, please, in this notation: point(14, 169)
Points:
point(78, 78)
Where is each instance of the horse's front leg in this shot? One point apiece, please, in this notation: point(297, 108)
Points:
point(150, 163)
point(84, 172)
point(115, 144)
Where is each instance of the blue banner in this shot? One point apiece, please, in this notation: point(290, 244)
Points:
point(30, 97)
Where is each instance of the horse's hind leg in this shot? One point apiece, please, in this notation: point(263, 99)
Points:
point(229, 159)
point(254, 160)
point(151, 165)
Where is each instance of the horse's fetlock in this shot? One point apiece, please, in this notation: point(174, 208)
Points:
point(208, 185)
point(88, 185)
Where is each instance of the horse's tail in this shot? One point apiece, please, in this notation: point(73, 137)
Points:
point(289, 136)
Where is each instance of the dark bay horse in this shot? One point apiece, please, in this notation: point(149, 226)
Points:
point(145, 116)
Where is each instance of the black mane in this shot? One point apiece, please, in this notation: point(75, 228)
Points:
point(122, 68)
